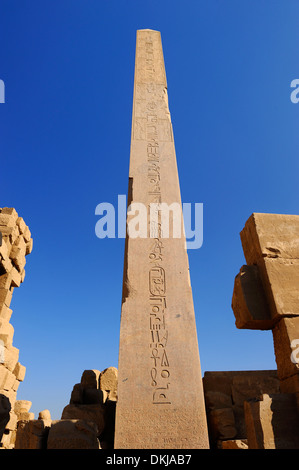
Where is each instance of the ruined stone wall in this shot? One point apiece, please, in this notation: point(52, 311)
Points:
point(266, 297)
point(15, 244)
point(225, 394)
point(87, 422)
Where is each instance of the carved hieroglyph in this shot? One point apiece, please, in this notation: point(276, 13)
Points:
point(160, 393)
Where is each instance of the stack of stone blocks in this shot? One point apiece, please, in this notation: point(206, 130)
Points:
point(266, 297)
point(86, 423)
point(15, 245)
point(225, 394)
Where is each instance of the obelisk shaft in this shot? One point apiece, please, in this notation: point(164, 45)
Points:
point(160, 393)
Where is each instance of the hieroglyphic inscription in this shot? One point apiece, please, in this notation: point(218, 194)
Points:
point(159, 335)
point(160, 371)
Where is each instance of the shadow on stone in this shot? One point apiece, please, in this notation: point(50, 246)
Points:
point(5, 408)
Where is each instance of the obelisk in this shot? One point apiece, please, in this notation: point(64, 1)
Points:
point(160, 393)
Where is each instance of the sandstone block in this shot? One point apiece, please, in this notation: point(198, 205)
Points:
point(270, 235)
point(25, 416)
point(32, 434)
point(5, 313)
point(16, 277)
point(7, 378)
point(19, 261)
point(29, 246)
point(12, 423)
point(17, 252)
point(290, 384)
point(27, 234)
point(271, 241)
point(21, 223)
point(22, 405)
point(19, 372)
point(7, 220)
point(94, 413)
point(90, 378)
point(10, 211)
point(249, 302)
point(11, 356)
point(93, 396)
point(108, 382)
point(6, 333)
point(5, 296)
point(10, 396)
point(5, 280)
point(73, 434)
point(286, 346)
point(215, 400)
point(8, 439)
point(77, 394)
point(46, 416)
point(280, 278)
point(222, 423)
point(232, 388)
point(16, 385)
point(272, 422)
point(10, 234)
point(234, 444)
point(248, 386)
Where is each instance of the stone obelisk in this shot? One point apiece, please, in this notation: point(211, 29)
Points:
point(160, 393)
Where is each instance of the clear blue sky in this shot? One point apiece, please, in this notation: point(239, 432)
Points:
point(68, 68)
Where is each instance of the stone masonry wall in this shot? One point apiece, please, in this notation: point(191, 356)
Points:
point(15, 245)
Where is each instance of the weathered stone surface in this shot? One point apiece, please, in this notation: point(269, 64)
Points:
point(93, 396)
point(272, 422)
point(271, 241)
point(7, 378)
point(11, 356)
point(281, 278)
point(45, 415)
point(22, 405)
point(19, 372)
point(216, 400)
point(253, 385)
point(5, 313)
point(73, 434)
point(77, 395)
point(108, 382)
point(32, 434)
point(90, 379)
point(234, 444)
point(25, 416)
point(156, 369)
point(270, 235)
point(5, 296)
point(229, 390)
point(249, 302)
point(222, 424)
point(93, 412)
point(12, 422)
point(6, 333)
